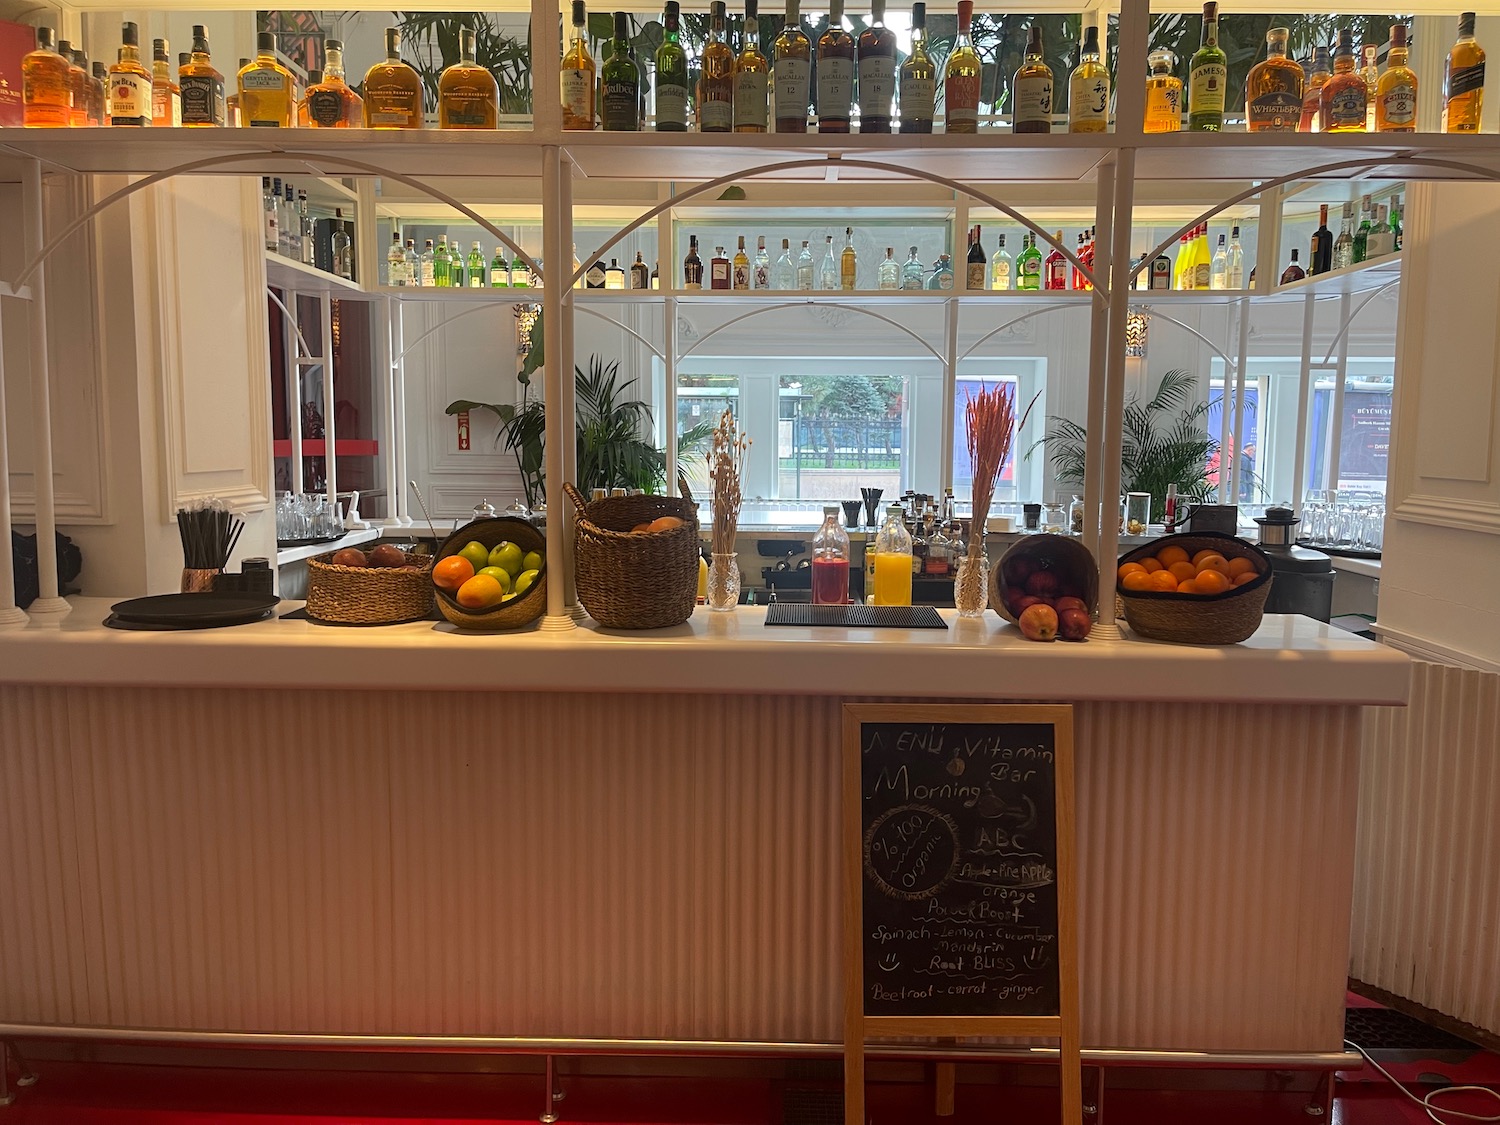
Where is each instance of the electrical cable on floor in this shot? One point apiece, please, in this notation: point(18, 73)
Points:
point(1426, 1101)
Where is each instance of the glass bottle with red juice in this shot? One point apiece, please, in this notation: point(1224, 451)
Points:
point(830, 564)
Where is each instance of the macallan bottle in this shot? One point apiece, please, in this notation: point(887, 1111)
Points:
point(1312, 93)
point(331, 104)
point(202, 86)
point(1396, 89)
point(1032, 89)
point(1088, 89)
point(752, 78)
point(1208, 75)
point(918, 84)
point(468, 95)
point(78, 83)
point(1344, 93)
point(962, 73)
point(46, 85)
point(1163, 94)
point(266, 88)
point(716, 77)
point(791, 71)
point(1463, 81)
point(671, 76)
point(836, 73)
point(166, 95)
point(1273, 92)
point(877, 72)
point(129, 82)
point(578, 73)
point(393, 90)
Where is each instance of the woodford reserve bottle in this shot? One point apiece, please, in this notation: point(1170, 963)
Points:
point(1273, 92)
point(393, 90)
point(202, 86)
point(468, 95)
point(331, 104)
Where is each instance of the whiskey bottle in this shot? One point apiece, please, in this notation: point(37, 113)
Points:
point(804, 267)
point(718, 269)
point(1088, 89)
point(640, 276)
point(1001, 266)
point(692, 266)
point(1343, 246)
point(1273, 92)
point(918, 86)
point(877, 72)
point(716, 77)
point(46, 85)
point(129, 83)
point(760, 269)
point(78, 85)
point(614, 277)
point(331, 104)
point(1163, 94)
point(1207, 77)
point(978, 262)
point(741, 272)
point(671, 75)
point(620, 85)
point(828, 268)
point(1032, 89)
point(578, 75)
point(393, 90)
point(752, 78)
point(1370, 71)
point(1344, 92)
point(791, 70)
point(202, 86)
point(835, 73)
point(890, 270)
point(784, 273)
point(1293, 271)
point(1311, 120)
point(848, 263)
point(1463, 81)
point(267, 98)
point(232, 98)
point(166, 95)
point(962, 74)
point(98, 94)
point(1320, 257)
point(468, 95)
point(1396, 89)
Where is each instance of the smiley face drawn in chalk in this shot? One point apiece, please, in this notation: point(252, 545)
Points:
point(892, 967)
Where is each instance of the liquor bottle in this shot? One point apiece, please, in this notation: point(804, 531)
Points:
point(962, 74)
point(1161, 272)
point(1032, 89)
point(232, 98)
point(1273, 92)
point(877, 72)
point(919, 545)
point(1075, 276)
point(520, 272)
point(792, 70)
point(1397, 237)
point(1293, 271)
point(343, 247)
point(655, 277)
point(475, 274)
point(890, 270)
point(978, 263)
point(1218, 274)
point(1057, 266)
point(594, 277)
point(331, 104)
point(78, 85)
point(468, 95)
point(1396, 89)
point(499, 269)
point(1311, 120)
point(1320, 256)
point(1088, 89)
point(716, 77)
point(614, 276)
point(1361, 248)
point(99, 94)
point(1208, 76)
point(1463, 81)
point(640, 276)
point(314, 77)
point(784, 273)
point(1380, 240)
point(620, 83)
point(835, 73)
point(1000, 266)
point(752, 77)
point(893, 561)
point(1370, 72)
point(291, 229)
point(804, 267)
point(202, 86)
point(1344, 93)
point(458, 266)
point(692, 266)
point(46, 86)
point(1202, 259)
point(1163, 93)
point(395, 262)
point(428, 276)
point(918, 78)
point(575, 268)
point(848, 263)
point(828, 267)
point(760, 269)
point(304, 230)
point(830, 560)
point(1030, 265)
point(1169, 505)
point(442, 272)
point(267, 90)
point(130, 83)
point(671, 83)
point(718, 269)
point(1343, 245)
point(166, 95)
point(1236, 279)
point(413, 264)
point(578, 75)
point(912, 273)
point(1182, 273)
point(393, 90)
point(740, 271)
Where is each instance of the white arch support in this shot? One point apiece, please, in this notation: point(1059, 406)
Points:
point(1339, 335)
point(972, 348)
point(732, 321)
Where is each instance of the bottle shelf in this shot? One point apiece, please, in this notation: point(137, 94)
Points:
point(1363, 277)
point(286, 273)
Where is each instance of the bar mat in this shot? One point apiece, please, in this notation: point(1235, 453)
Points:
point(855, 616)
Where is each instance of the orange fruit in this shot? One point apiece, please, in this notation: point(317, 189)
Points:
point(1242, 579)
point(1137, 580)
point(1189, 587)
point(480, 592)
point(1169, 555)
point(1212, 561)
point(1210, 581)
point(1182, 570)
point(1199, 556)
point(1238, 567)
point(1152, 566)
point(1127, 569)
point(452, 572)
point(1163, 580)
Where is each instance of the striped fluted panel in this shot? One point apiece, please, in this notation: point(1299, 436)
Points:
point(1427, 897)
point(647, 866)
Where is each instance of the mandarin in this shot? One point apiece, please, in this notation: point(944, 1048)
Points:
point(452, 572)
point(1212, 562)
point(1189, 587)
point(1169, 555)
point(1182, 570)
point(1238, 567)
point(1162, 580)
point(1210, 581)
point(1243, 579)
point(1199, 556)
point(1151, 565)
point(1127, 569)
point(1137, 580)
point(480, 592)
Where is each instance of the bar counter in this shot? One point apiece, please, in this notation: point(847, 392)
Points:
point(289, 828)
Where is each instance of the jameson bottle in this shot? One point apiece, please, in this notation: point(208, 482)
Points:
point(835, 73)
point(791, 72)
point(671, 75)
point(877, 72)
point(620, 111)
point(1207, 77)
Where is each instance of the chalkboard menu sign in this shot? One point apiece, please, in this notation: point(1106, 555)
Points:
point(959, 915)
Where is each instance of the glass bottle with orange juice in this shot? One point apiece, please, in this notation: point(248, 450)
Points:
point(893, 560)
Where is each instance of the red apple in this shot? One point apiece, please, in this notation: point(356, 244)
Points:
point(1039, 623)
point(1018, 570)
point(349, 556)
point(1025, 602)
point(1072, 603)
point(1043, 584)
point(1074, 624)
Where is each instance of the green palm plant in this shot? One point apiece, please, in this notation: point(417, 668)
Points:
point(431, 46)
point(1166, 441)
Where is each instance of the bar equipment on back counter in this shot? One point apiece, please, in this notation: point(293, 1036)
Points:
point(209, 532)
point(1137, 512)
point(852, 512)
point(1303, 580)
point(872, 504)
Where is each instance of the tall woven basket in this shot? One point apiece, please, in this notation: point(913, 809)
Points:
point(635, 580)
point(1194, 619)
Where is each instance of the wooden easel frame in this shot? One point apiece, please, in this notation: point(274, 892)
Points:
point(857, 1026)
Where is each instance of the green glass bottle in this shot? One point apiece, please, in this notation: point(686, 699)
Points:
point(671, 76)
point(499, 270)
point(476, 267)
point(520, 274)
point(621, 111)
point(1208, 76)
point(442, 272)
point(1029, 265)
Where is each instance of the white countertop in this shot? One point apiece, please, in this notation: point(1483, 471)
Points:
point(1370, 568)
point(1290, 659)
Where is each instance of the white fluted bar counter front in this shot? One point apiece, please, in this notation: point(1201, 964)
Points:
point(299, 829)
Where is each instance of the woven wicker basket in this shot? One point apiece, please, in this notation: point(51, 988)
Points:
point(357, 595)
point(516, 612)
point(635, 580)
point(1199, 619)
point(1073, 562)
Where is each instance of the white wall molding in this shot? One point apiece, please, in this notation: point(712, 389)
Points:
point(1424, 648)
point(1448, 511)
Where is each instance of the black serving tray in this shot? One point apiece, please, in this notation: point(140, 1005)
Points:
point(194, 611)
point(855, 616)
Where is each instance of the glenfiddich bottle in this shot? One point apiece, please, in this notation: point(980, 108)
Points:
point(1273, 92)
point(671, 77)
point(835, 73)
point(202, 86)
point(130, 82)
point(331, 104)
point(393, 90)
point(266, 88)
point(620, 89)
point(468, 95)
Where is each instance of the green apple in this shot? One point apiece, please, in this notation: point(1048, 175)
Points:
point(525, 581)
point(476, 552)
point(498, 573)
point(532, 561)
point(508, 556)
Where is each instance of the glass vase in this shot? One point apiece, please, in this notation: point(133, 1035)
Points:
point(724, 582)
point(971, 589)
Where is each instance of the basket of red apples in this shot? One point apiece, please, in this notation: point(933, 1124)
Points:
point(383, 586)
point(1048, 586)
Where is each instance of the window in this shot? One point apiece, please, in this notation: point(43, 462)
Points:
point(1245, 444)
point(837, 434)
point(701, 399)
point(1006, 490)
point(1364, 435)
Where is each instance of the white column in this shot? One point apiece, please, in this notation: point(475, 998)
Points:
point(556, 256)
point(1239, 402)
point(1098, 343)
point(1304, 400)
point(49, 604)
point(568, 407)
point(10, 613)
point(385, 310)
point(325, 311)
point(1335, 443)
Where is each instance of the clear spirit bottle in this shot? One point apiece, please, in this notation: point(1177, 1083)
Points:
point(304, 230)
point(413, 264)
point(1362, 234)
point(912, 272)
point(395, 262)
point(784, 273)
point(1236, 278)
point(1218, 277)
point(1000, 267)
point(1343, 246)
point(890, 270)
point(614, 277)
point(343, 247)
point(828, 267)
point(942, 274)
point(804, 268)
point(429, 266)
point(760, 269)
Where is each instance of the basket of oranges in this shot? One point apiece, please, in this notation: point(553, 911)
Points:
point(1203, 589)
point(492, 574)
